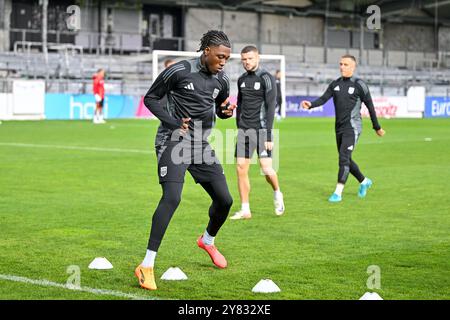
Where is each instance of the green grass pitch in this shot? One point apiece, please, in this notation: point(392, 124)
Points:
point(71, 191)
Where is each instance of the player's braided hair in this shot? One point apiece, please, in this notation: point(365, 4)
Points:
point(214, 38)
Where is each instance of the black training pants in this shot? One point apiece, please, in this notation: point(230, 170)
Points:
point(346, 143)
point(171, 197)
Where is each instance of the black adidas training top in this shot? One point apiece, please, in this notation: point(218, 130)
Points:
point(192, 92)
point(257, 93)
point(348, 93)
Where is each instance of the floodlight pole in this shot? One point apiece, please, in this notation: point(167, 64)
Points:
point(325, 33)
point(361, 40)
point(283, 86)
point(44, 35)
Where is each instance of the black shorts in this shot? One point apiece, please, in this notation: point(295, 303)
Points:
point(250, 140)
point(201, 162)
point(100, 103)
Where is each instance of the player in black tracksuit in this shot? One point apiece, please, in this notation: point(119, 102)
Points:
point(255, 112)
point(197, 91)
point(348, 93)
point(256, 105)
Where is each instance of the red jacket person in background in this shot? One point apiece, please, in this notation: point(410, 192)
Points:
point(99, 94)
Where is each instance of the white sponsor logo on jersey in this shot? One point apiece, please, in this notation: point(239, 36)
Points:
point(257, 85)
point(351, 90)
point(243, 85)
point(336, 88)
point(163, 171)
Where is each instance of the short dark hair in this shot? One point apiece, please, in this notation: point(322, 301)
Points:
point(349, 56)
point(248, 49)
point(214, 38)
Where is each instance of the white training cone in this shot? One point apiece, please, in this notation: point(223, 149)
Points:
point(100, 263)
point(266, 286)
point(370, 296)
point(174, 274)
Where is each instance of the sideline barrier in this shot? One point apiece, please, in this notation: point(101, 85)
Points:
point(437, 107)
point(81, 107)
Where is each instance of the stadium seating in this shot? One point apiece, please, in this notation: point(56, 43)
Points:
point(306, 74)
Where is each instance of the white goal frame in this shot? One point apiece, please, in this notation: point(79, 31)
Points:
point(281, 58)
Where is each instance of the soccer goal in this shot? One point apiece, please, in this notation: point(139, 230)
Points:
point(233, 68)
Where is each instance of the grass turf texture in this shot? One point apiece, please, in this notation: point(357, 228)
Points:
point(61, 207)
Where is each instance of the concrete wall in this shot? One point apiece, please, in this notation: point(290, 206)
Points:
point(126, 21)
point(375, 57)
point(291, 31)
point(123, 19)
point(315, 54)
point(408, 37)
point(444, 39)
point(396, 58)
point(242, 27)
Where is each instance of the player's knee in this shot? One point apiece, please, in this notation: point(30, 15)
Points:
point(172, 199)
point(225, 201)
point(268, 171)
point(344, 162)
point(242, 168)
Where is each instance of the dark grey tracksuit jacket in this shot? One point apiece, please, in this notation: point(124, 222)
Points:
point(256, 102)
point(348, 93)
point(192, 92)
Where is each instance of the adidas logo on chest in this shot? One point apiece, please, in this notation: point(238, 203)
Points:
point(189, 86)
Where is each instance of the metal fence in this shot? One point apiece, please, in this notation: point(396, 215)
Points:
point(100, 42)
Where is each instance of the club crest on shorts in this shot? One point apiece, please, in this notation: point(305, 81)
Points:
point(215, 93)
point(351, 90)
point(163, 171)
point(257, 85)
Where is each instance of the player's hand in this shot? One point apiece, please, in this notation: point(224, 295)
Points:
point(380, 132)
point(185, 126)
point(268, 145)
point(306, 104)
point(227, 107)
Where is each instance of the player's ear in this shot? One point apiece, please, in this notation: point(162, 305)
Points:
point(207, 51)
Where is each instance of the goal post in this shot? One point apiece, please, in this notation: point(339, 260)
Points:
point(233, 68)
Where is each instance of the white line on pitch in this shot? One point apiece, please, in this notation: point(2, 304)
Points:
point(47, 283)
point(30, 145)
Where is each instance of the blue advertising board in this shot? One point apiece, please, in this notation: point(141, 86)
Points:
point(82, 106)
point(437, 107)
point(294, 108)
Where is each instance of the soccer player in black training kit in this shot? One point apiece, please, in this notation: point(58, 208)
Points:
point(348, 92)
point(197, 91)
point(255, 111)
